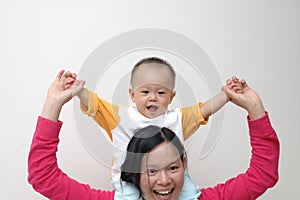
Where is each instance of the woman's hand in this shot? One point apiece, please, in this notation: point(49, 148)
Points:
point(62, 90)
point(247, 99)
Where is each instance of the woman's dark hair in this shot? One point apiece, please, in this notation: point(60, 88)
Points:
point(144, 141)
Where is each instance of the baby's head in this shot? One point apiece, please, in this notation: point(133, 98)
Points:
point(152, 86)
point(153, 70)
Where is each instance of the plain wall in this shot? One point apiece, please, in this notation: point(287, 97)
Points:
point(255, 40)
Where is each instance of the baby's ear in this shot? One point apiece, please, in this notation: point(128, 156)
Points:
point(131, 93)
point(172, 96)
point(173, 93)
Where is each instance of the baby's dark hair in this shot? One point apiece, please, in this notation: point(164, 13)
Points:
point(153, 60)
point(144, 141)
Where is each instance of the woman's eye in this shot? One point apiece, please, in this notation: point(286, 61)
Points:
point(173, 168)
point(151, 171)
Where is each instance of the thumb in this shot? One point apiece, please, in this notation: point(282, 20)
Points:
point(230, 94)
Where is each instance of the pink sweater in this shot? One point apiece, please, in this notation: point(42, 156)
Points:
point(48, 179)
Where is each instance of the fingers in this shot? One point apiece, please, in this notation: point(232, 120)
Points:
point(66, 78)
point(60, 74)
point(229, 93)
point(228, 82)
point(69, 75)
point(235, 79)
point(77, 86)
point(244, 84)
point(234, 84)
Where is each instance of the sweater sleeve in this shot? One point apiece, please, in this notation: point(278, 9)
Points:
point(103, 112)
point(192, 118)
point(262, 172)
point(43, 172)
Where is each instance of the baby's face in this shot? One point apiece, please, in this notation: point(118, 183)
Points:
point(152, 89)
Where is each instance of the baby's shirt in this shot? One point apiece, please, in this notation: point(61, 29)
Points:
point(121, 122)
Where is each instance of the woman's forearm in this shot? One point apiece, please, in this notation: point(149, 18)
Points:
point(51, 109)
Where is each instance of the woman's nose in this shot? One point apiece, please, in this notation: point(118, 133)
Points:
point(163, 178)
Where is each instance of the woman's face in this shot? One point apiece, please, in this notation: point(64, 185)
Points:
point(162, 173)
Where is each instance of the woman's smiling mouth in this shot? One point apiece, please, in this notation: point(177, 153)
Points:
point(164, 194)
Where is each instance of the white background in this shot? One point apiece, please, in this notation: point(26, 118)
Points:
point(256, 40)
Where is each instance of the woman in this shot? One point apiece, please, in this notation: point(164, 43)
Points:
point(160, 170)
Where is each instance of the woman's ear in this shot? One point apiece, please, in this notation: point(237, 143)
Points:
point(184, 161)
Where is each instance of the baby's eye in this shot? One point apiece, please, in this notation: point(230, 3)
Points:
point(144, 92)
point(161, 92)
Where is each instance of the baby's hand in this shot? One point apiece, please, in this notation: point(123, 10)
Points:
point(235, 85)
point(69, 79)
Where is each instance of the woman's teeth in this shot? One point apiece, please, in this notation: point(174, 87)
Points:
point(163, 192)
